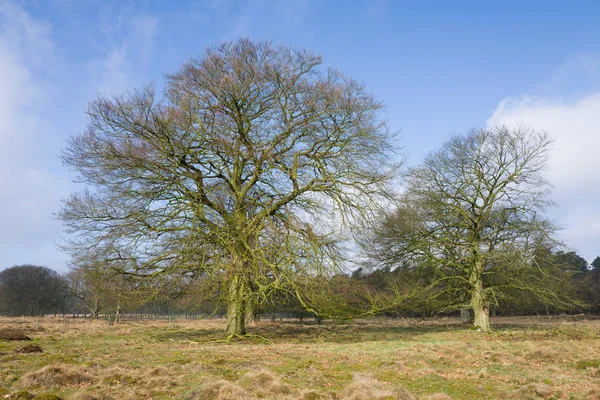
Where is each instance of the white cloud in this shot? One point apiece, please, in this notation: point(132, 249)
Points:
point(29, 192)
point(40, 88)
point(574, 163)
point(112, 73)
point(25, 47)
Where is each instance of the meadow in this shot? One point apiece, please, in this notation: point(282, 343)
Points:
point(439, 358)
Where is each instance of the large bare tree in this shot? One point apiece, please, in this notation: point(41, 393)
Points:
point(473, 211)
point(244, 171)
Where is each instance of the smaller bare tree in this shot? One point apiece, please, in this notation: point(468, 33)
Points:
point(473, 210)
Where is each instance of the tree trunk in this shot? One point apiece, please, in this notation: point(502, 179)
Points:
point(96, 309)
point(250, 315)
point(236, 310)
point(467, 315)
point(481, 309)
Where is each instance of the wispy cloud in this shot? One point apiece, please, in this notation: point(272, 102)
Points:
point(28, 190)
point(112, 71)
point(37, 82)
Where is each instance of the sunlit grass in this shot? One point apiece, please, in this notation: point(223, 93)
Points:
point(523, 358)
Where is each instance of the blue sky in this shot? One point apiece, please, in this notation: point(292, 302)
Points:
point(441, 67)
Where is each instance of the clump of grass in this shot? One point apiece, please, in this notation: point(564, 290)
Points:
point(13, 335)
point(264, 382)
point(221, 390)
point(480, 374)
point(157, 372)
point(438, 396)
point(55, 375)
point(46, 396)
point(21, 395)
point(365, 387)
point(88, 396)
point(118, 376)
point(584, 364)
point(540, 354)
point(535, 390)
point(30, 348)
point(311, 395)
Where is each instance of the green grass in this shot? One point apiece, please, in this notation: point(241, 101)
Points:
point(149, 359)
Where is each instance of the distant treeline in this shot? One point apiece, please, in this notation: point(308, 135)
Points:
point(29, 290)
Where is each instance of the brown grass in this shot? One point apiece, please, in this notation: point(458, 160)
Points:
point(56, 375)
point(265, 383)
point(365, 387)
point(438, 396)
point(20, 395)
point(30, 348)
point(436, 358)
point(221, 390)
point(13, 335)
point(535, 391)
point(88, 396)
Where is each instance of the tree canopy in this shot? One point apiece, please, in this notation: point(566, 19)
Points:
point(248, 168)
point(31, 290)
point(473, 210)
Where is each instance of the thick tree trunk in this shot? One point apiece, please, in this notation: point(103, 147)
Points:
point(236, 308)
point(481, 309)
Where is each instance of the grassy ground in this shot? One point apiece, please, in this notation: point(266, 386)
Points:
point(380, 359)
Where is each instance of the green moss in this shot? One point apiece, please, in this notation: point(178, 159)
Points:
point(462, 389)
point(46, 396)
point(583, 364)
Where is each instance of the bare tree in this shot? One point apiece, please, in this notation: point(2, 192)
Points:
point(251, 161)
point(103, 289)
point(87, 285)
point(473, 211)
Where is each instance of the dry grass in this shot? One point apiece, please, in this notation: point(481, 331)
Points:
point(220, 390)
point(30, 348)
point(13, 335)
point(365, 387)
point(435, 359)
point(56, 375)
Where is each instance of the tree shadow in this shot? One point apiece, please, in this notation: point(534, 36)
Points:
point(330, 332)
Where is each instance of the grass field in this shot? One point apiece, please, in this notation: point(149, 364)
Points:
point(379, 359)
